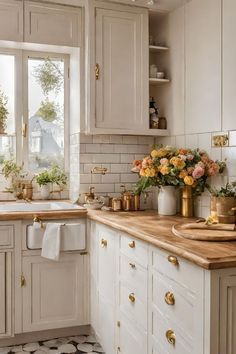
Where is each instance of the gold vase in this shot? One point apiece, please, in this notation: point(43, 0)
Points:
point(186, 206)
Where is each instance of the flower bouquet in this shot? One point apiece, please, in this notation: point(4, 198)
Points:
point(168, 166)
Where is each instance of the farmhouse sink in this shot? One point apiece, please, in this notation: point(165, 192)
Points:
point(40, 206)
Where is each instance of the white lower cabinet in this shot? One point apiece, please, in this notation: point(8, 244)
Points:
point(54, 293)
point(5, 293)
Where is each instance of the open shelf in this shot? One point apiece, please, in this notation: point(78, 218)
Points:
point(157, 48)
point(153, 81)
point(7, 134)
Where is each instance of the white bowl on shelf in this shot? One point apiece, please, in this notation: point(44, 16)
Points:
point(160, 75)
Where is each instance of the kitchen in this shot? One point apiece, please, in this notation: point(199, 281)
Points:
point(125, 106)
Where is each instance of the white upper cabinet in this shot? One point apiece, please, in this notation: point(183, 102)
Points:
point(203, 66)
point(11, 20)
point(229, 60)
point(52, 24)
point(121, 70)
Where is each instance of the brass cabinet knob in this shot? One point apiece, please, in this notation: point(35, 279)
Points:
point(132, 297)
point(170, 336)
point(132, 265)
point(169, 298)
point(132, 244)
point(22, 281)
point(173, 260)
point(103, 243)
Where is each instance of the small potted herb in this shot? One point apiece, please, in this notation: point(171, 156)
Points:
point(44, 180)
point(3, 112)
point(48, 177)
point(13, 173)
point(223, 200)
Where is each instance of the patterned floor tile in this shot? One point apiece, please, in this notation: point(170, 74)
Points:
point(66, 345)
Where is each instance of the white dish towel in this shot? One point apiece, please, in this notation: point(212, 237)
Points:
point(52, 241)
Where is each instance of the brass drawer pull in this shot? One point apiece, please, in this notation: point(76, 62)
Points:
point(132, 265)
point(22, 281)
point(173, 260)
point(132, 297)
point(97, 71)
point(132, 244)
point(170, 336)
point(169, 298)
point(103, 243)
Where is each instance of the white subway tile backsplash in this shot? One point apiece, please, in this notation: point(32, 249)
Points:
point(129, 177)
point(92, 148)
point(107, 148)
point(111, 178)
point(130, 139)
point(232, 138)
point(180, 141)
point(120, 168)
point(101, 139)
point(127, 158)
point(191, 141)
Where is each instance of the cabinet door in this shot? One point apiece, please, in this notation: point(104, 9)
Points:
point(229, 59)
point(228, 315)
point(5, 294)
point(106, 239)
point(122, 80)
point(52, 24)
point(11, 20)
point(203, 66)
point(55, 294)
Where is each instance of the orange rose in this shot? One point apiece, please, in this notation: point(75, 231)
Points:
point(164, 170)
point(188, 180)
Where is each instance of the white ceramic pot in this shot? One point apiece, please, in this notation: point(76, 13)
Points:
point(167, 203)
point(45, 191)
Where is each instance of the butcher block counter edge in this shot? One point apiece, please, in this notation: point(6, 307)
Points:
point(149, 227)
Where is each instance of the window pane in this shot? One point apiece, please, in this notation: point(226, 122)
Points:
point(7, 107)
point(46, 112)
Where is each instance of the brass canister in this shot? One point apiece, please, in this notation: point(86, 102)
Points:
point(187, 202)
point(128, 201)
point(27, 191)
point(116, 204)
point(137, 202)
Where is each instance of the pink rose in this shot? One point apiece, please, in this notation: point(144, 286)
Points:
point(164, 161)
point(198, 172)
point(213, 169)
point(190, 157)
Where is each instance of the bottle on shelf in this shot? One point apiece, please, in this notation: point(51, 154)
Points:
point(153, 114)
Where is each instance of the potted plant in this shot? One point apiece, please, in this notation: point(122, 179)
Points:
point(44, 180)
point(3, 112)
point(13, 173)
point(168, 167)
point(47, 177)
point(223, 201)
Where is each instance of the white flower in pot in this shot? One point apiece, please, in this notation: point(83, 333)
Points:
point(44, 181)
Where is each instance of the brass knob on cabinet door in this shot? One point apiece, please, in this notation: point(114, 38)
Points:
point(103, 243)
point(132, 244)
point(170, 336)
point(173, 260)
point(132, 265)
point(132, 297)
point(169, 298)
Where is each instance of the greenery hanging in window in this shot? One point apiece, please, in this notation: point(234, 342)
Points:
point(3, 112)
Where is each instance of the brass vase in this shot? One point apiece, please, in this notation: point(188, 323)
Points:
point(186, 205)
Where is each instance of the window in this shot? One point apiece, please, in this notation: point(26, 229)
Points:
point(44, 104)
point(7, 107)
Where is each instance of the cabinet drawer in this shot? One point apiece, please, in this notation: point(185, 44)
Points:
point(133, 306)
point(175, 304)
point(185, 273)
point(131, 339)
point(135, 276)
point(6, 236)
point(135, 249)
point(160, 328)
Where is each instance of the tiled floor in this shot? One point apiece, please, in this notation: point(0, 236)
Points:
point(67, 345)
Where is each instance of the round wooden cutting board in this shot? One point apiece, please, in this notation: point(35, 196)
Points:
point(203, 234)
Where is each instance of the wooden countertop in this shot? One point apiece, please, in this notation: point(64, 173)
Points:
point(156, 230)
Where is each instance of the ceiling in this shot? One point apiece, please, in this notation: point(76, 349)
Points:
point(159, 5)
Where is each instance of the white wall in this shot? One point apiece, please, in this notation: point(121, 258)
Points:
point(208, 103)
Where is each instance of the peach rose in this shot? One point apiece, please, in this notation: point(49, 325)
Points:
point(188, 180)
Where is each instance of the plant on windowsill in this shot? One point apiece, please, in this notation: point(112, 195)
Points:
point(3, 112)
point(14, 175)
point(46, 178)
